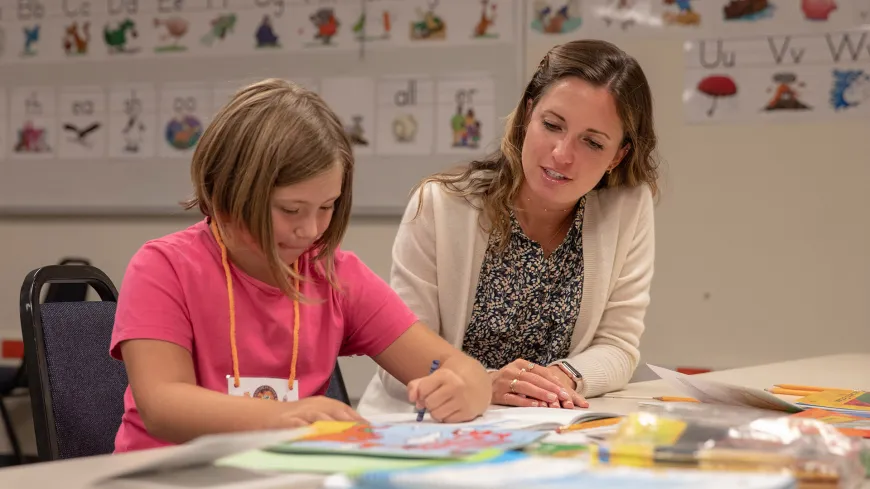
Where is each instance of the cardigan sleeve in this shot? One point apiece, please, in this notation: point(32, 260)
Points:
point(413, 273)
point(611, 358)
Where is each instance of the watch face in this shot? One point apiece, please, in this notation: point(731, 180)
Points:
point(571, 369)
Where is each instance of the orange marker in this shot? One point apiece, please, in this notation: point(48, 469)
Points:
point(675, 399)
point(659, 398)
point(789, 392)
point(589, 424)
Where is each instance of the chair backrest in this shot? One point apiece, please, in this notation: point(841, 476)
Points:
point(76, 388)
point(69, 291)
point(336, 389)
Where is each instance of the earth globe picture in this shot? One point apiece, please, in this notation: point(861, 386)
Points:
point(183, 132)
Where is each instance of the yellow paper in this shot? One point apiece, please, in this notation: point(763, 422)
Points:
point(322, 428)
point(643, 428)
point(836, 399)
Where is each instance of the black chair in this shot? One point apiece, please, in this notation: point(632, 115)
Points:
point(14, 378)
point(336, 389)
point(76, 388)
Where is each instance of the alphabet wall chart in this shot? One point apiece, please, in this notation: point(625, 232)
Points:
point(763, 60)
point(91, 85)
point(778, 78)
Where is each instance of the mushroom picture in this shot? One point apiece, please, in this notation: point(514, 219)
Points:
point(717, 86)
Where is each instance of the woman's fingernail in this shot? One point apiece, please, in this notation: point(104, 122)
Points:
point(554, 405)
point(534, 403)
point(569, 405)
point(551, 397)
point(564, 394)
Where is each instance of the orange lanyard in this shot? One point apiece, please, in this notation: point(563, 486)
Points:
point(235, 351)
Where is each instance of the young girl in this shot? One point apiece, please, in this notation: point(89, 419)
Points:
point(236, 322)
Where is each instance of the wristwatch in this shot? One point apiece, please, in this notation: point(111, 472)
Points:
point(571, 372)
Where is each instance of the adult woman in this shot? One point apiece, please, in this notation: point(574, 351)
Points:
point(537, 260)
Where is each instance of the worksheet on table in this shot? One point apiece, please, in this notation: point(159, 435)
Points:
point(509, 418)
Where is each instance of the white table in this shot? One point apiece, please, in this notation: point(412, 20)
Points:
point(846, 370)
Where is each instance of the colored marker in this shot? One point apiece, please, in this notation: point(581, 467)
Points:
point(422, 412)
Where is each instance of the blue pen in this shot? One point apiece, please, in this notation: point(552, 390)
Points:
point(435, 365)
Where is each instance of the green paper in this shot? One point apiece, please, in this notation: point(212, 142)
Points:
point(557, 449)
point(325, 464)
point(333, 464)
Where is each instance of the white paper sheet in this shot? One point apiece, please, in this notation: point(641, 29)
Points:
point(713, 392)
point(207, 449)
point(133, 121)
point(353, 100)
point(83, 117)
point(32, 125)
point(405, 115)
point(185, 112)
point(465, 117)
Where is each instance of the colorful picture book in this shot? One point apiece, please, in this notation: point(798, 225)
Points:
point(856, 403)
point(847, 424)
point(411, 440)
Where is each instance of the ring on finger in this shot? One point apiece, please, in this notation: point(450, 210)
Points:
point(531, 366)
point(522, 371)
point(513, 385)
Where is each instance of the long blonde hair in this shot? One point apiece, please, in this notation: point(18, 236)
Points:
point(491, 184)
point(272, 133)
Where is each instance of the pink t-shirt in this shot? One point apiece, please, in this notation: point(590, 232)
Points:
point(175, 290)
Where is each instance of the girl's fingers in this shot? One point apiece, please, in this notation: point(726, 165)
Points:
point(413, 391)
point(444, 412)
point(436, 399)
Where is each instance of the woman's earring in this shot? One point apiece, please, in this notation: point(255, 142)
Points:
point(609, 171)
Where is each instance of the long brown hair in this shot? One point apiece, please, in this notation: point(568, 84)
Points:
point(496, 179)
point(272, 133)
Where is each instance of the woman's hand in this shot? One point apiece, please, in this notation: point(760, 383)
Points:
point(311, 409)
point(448, 396)
point(523, 383)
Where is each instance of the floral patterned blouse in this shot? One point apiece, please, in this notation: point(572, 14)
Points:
point(526, 305)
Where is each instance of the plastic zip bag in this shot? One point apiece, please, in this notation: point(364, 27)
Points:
point(734, 439)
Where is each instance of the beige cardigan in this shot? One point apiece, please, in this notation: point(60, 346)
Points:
point(437, 259)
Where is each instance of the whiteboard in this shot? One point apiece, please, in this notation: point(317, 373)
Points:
point(69, 66)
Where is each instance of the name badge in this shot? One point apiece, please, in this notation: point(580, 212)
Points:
point(263, 388)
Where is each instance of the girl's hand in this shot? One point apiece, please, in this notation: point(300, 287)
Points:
point(523, 383)
point(311, 409)
point(448, 397)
